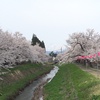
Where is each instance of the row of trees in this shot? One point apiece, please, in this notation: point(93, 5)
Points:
point(82, 44)
point(15, 49)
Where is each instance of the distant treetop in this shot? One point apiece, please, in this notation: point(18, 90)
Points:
point(35, 40)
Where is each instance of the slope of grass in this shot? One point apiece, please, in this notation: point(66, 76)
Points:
point(71, 83)
point(19, 77)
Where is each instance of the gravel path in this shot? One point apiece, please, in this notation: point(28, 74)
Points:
point(92, 71)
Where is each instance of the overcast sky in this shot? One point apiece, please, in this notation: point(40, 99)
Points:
point(50, 20)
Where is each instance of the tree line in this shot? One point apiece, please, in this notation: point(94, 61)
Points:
point(16, 49)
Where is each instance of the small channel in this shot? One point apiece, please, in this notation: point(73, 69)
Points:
point(28, 92)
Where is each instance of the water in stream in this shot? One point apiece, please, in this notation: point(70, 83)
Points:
point(28, 92)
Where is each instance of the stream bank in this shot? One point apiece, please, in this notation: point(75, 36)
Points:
point(18, 78)
point(35, 90)
point(72, 83)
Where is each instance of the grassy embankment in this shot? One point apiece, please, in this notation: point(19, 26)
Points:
point(71, 83)
point(19, 77)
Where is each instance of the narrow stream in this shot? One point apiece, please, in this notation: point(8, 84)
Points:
point(28, 92)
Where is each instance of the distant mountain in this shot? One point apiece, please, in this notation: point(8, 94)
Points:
point(47, 52)
point(57, 51)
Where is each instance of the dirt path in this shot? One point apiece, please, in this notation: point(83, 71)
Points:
point(92, 71)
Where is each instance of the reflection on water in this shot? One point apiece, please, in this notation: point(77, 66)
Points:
point(28, 92)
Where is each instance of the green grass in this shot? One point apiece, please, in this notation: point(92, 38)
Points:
point(19, 77)
point(71, 83)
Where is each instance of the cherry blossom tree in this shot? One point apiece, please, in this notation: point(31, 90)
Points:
point(15, 49)
point(82, 44)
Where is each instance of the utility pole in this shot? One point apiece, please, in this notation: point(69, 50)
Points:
point(61, 49)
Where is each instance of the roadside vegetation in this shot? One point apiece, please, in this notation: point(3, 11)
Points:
point(16, 79)
point(72, 83)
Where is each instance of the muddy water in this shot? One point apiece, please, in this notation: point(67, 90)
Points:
point(28, 92)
